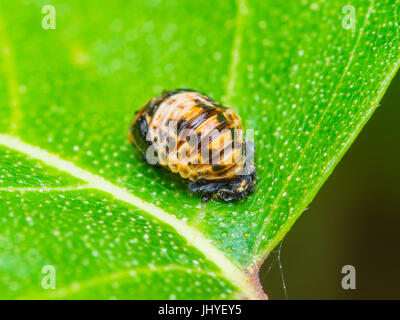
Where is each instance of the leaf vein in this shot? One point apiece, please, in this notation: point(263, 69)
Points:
point(78, 286)
point(241, 13)
point(46, 189)
point(194, 237)
point(11, 76)
point(310, 138)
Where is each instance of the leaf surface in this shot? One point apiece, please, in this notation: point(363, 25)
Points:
point(76, 196)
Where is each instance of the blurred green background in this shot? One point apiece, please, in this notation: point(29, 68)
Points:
point(354, 219)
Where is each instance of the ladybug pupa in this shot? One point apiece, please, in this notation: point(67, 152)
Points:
point(192, 135)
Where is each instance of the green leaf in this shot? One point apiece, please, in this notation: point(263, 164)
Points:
point(76, 198)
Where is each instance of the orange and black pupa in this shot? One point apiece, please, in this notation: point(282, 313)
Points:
point(191, 134)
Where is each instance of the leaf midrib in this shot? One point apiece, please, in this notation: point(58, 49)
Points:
point(240, 278)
